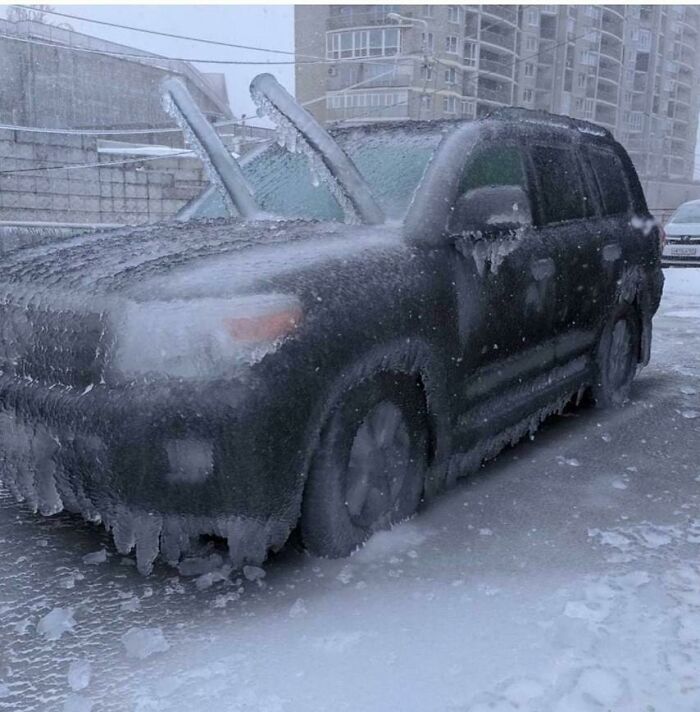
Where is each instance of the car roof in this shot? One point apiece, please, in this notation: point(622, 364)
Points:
point(509, 114)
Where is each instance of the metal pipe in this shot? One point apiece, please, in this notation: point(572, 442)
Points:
point(221, 162)
point(336, 160)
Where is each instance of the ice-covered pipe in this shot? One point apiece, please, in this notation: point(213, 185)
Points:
point(221, 165)
point(335, 159)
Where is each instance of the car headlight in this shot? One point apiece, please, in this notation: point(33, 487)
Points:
point(203, 338)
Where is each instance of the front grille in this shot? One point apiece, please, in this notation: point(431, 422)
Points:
point(53, 347)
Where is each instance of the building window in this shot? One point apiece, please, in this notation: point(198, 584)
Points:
point(580, 80)
point(527, 96)
point(450, 75)
point(533, 18)
point(453, 13)
point(469, 109)
point(426, 72)
point(529, 69)
point(451, 44)
point(588, 108)
point(634, 120)
point(428, 41)
point(449, 104)
point(363, 43)
point(588, 58)
point(428, 11)
point(426, 102)
point(470, 54)
point(531, 42)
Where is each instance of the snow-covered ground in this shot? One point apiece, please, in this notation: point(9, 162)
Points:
point(566, 577)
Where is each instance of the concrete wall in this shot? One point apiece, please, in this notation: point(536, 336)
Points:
point(135, 193)
point(57, 87)
point(663, 197)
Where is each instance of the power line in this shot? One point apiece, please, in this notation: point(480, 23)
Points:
point(173, 35)
point(74, 166)
point(201, 60)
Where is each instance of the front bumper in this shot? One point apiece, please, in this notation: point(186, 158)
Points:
point(108, 454)
point(681, 253)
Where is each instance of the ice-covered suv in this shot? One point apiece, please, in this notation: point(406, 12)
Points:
point(276, 369)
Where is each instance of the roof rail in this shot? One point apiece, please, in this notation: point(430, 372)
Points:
point(516, 113)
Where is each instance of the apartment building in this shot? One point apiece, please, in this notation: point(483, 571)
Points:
point(629, 68)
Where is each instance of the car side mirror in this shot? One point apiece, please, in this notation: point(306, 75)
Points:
point(489, 209)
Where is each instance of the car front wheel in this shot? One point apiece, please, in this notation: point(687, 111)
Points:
point(369, 469)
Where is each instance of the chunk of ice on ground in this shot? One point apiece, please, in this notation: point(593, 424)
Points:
point(200, 565)
point(79, 675)
point(143, 642)
point(690, 414)
point(77, 703)
point(95, 557)
point(298, 609)
point(253, 573)
point(54, 624)
point(397, 540)
point(207, 580)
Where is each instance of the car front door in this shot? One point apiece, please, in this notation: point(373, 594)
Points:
point(505, 320)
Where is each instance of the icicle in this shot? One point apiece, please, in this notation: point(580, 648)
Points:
point(147, 532)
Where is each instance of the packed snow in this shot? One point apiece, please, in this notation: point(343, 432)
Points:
point(563, 578)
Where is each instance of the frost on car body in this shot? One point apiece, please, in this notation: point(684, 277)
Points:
point(228, 374)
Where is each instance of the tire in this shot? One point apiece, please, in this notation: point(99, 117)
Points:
point(617, 358)
point(369, 469)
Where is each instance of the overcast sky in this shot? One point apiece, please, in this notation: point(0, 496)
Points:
point(270, 26)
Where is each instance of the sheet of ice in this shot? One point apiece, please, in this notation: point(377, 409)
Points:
point(95, 557)
point(55, 623)
point(79, 673)
point(141, 643)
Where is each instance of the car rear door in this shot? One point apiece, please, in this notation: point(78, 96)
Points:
point(616, 234)
point(564, 211)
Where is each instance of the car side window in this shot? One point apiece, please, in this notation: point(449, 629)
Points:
point(612, 183)
point(561, 189)
point(492, 193)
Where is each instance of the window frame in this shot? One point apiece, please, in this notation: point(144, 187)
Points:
point(537, 195)
point(500, 141)
point(589, 148)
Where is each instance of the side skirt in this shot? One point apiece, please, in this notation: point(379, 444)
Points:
point(490, 426)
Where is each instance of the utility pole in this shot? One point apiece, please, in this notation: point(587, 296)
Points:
point(427, 57)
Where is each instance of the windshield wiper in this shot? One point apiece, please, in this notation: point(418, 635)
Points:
point(268, 93)
point(222, 167)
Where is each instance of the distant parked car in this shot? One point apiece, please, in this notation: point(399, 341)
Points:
point(249, 377)
point(682, 246)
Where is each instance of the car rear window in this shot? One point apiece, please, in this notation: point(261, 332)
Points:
point(610, 175)
point(562, 193)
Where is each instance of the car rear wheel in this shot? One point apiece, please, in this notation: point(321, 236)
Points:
point(617, 358)
point(369, 469)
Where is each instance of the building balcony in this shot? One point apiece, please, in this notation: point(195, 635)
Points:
point(368, 113)
point(508, 13)
point(369, 76)
point(503, 40)
point(500, 96)
point(611, 49)
point(609, 71)
point(361, 16)
point(500, 69)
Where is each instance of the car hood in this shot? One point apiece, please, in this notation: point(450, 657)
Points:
point(179, 260)
point(64, 302)
point(673, 229)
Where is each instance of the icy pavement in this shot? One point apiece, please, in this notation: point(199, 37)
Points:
point(565, 578)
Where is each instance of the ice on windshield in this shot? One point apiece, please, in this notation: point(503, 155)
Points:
point(686, 214)
point(391, 160)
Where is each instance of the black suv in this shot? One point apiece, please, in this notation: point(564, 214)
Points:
point(245, 377)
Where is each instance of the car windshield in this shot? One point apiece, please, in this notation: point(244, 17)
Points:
point(688, 213)
point(391, 160)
